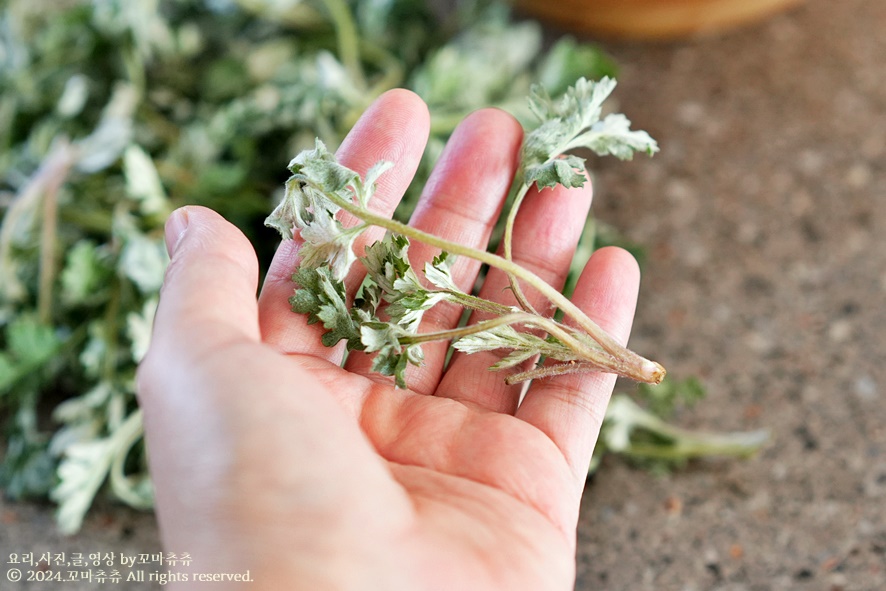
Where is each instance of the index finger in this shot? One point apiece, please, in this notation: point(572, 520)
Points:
point(394, 128)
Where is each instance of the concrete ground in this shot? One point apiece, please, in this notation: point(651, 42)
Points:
point(763, 220)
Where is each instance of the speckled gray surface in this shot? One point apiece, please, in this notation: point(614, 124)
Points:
point(763, 218)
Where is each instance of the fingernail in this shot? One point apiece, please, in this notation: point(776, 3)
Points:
point(176, 226)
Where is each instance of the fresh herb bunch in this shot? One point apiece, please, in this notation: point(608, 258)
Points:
point(320, 187)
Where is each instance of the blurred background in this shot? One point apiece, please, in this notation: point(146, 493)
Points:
point(758, 226)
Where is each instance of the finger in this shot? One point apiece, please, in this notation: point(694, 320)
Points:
point(208, 295)
point(460, 203)
point(394, 128)
point(570, 408)
point(546, 232)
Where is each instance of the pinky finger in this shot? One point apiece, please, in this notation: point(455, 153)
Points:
point(570, 408)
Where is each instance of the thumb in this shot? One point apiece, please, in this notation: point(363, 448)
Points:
point(207, 304)
point(208, 299)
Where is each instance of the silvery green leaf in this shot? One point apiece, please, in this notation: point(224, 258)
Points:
point(524, 345)
point(327, 242)
point(500, 337)
point(143, 21)
point(366, 188)
point(85, 406)
point(30, 341)
point(334, 77)
point(84, 417)
point(392, 356)
point(562, 120)
point(81, 473)
point(408, 309)
point(307, 207)
point(513, 358)
point(492, 53)
point(573, 122)
point(319, 167)
point(106, 143)
point(74, 96)
point(136, 490)
point(84, 468)
point(75, 432)
point(367, 300)
point(144, 261)
point(438, 272)
point(143, 182)
point(296, 210)
point(322, 298)
point(92, 354)
point(308, 296)
point(378, 335)
point(83, 274)
point(387, 263)
point(578, 108)
point(139, 327)
point(268, 58)
point(614, 136)
point(566, 171)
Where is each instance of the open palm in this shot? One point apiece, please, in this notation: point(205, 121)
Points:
point(270, 455)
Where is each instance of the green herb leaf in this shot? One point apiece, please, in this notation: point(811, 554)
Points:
point(144, 260)
point(139, 326)
point(85, 467)
point(524, 346)
point(27, 468)
point(307, 208)
point(387, 264)
point(438, 272)
point(84, 274)
point(143, 181)
point(327, 242)
point(392, 356)
point(566, 171)
point(573, 122)
point(614, 136)
point(30, 342)
point(322, 297)
point(320, 168)
point(491, 53)
point(204, 97)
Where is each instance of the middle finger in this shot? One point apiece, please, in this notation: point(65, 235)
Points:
point(546, 233)
point(460, 203)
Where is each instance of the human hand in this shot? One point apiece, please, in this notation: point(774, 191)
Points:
point(267, 455)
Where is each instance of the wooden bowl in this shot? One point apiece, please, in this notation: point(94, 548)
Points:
point(650, 19)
